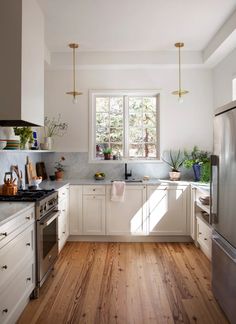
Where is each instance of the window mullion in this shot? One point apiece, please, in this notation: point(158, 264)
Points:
point(126, 126)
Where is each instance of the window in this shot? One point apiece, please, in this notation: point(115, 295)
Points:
point(126, 122)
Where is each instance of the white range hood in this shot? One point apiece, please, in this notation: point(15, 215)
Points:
point(21, 63)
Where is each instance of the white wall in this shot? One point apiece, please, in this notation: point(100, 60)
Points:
point(182, 125)
point(223, 74)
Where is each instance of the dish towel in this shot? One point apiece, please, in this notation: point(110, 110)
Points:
point(118, 191)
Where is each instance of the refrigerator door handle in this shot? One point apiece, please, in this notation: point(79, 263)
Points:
point(224, 246)
point(214, 189)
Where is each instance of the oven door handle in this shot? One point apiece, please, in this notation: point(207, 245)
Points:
point(51, 219)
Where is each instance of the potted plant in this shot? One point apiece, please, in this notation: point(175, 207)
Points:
point(26, 136)
point(107, 153)
point(59, 173)
point(175, 161)
point(199, 160)
point(53, 127)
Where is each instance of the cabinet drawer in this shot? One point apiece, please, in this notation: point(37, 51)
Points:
point(15, 253)
point(204, 233)
point(63, 193)
point(14, 298)
point(95, 189)
point(7, 230)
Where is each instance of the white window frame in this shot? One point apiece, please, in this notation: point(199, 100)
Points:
point(92, 122)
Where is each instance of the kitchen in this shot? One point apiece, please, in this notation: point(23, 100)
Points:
point(126, 65)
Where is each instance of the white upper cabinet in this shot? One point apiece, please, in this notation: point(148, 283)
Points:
point(22, 63)
point(167, 210)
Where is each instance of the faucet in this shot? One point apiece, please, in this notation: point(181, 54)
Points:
point(127, 174)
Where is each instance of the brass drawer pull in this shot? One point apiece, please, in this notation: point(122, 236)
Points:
point(5, 310)
point(4, 267)
point(3, 234)
point(27, 217)
point(27, 244)
point(28, 279)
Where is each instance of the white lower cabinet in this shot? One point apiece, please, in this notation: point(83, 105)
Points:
point(204, 233)
point(75, 210)
point(63, 219)
point(17, 265)
point(93, 215)
point(147, 210)
point(128, 217)
point(167, 210)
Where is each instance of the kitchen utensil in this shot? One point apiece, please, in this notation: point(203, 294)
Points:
point(9, 188)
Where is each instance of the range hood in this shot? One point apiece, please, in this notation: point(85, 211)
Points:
point(22, 63)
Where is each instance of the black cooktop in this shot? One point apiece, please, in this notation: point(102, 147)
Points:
point(28, 195)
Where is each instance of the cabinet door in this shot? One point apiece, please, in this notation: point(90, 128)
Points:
point(128, 217)
point(93, 215)
point(192, 215)
point(167, 210)
point(75, 210)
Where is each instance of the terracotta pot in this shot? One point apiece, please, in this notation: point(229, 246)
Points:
point(174, 176)
point(107, 156)
point(59, 175)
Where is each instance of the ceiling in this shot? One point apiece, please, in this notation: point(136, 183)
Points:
point(133, 25)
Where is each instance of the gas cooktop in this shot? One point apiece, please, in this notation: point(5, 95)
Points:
point(28, 195)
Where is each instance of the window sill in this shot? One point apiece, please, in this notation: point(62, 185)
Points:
point(124, 161)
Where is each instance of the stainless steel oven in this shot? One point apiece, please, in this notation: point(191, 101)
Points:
point(47, 243)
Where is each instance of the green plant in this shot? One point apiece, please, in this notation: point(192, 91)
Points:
point(107, 150)
point(196, 156)
point(54, 127)
point(202, 158)
point(59, 165)
point(26, 135)
point(175, 160)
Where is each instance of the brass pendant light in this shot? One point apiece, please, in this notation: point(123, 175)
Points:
point(180, 92)
point(74, 93)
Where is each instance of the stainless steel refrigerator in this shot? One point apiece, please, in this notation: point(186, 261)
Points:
point(223, 209)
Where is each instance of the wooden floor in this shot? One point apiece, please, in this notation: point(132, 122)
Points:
point(127, 283)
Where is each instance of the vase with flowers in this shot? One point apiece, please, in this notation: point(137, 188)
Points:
point(59, 166)
point(53, 127)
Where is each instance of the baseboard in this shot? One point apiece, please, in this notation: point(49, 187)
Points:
point(109, 238)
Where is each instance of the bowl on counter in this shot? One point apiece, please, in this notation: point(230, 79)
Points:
point(36, 182)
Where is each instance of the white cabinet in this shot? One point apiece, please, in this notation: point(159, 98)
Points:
point(17, 265)
point(167, 210)
point(63, 219)
point(94, 214)
point(204, 233)
point(87, 210)
point(75, 210)
point(128, 217)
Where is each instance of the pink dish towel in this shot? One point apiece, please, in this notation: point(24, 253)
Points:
point(118, 191)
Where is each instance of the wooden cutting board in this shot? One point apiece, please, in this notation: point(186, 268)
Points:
point(41, 170)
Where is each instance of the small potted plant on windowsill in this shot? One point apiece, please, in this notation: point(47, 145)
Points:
point(107, 153)
point(59, 173)
point(175, 161)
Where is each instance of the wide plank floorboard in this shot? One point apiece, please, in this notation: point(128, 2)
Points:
point(133, 283)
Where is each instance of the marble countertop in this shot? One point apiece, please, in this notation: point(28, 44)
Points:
point(59, 184)
point(10, 210)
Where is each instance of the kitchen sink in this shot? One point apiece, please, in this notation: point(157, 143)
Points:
point(129, 180)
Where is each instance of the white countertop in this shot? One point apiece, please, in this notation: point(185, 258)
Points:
point(59, 184)
point(10, 210)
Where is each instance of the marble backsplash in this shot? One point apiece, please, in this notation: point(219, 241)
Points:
point(16, 158)
point(77, 166)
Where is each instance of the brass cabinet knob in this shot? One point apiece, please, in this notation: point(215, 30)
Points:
point(3, 234)
point(27, 244)
point(5, 310)
point(4, 267)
